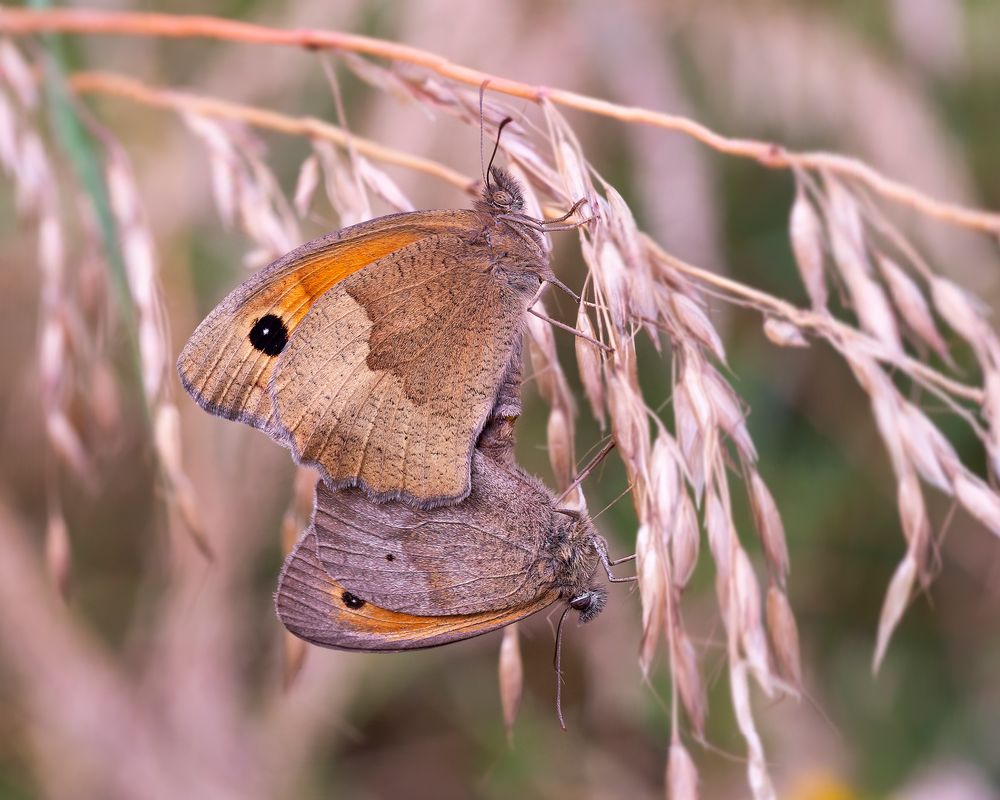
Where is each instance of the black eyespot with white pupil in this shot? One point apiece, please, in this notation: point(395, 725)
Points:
point(269, 335)
point(351, 601)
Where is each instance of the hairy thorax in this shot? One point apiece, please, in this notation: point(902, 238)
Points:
point(572, 554)
point(514, 249)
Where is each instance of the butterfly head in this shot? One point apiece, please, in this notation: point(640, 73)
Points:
point(589, 603)
point(575, 559)
point(502, 193)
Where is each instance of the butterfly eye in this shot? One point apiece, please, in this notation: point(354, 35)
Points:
point(582, 602)
point(501, 197)
point(589, 604)
point(269, 335)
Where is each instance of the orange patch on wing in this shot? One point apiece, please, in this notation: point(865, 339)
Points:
point(316, 273)
point(390, 626)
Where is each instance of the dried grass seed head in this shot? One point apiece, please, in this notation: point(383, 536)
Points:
point(652, 593)
point(806, 234)
point(912, 306)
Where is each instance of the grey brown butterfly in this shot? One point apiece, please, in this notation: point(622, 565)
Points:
point(377, 353)
point(393, 577)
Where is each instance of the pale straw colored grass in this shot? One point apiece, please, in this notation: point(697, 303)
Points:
point(24, 157)
point(894, 309)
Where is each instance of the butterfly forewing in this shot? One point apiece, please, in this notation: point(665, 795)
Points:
point(378, 354)
point(227, 363)
point(393, 373)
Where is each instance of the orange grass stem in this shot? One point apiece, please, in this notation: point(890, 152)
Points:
point(108, 83)
point(21, 21)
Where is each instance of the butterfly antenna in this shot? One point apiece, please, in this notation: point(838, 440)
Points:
point(587, 470)
point(496, 146)
point(482, 131)
point(557, 663)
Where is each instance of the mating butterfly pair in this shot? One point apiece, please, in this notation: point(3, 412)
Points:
point(388, 356)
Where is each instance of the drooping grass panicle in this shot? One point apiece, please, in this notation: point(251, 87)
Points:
point(870, 296)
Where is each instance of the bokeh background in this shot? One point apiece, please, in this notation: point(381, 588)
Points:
point(155, 634)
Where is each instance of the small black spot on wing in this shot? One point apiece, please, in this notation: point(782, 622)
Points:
point(269, 335)
point(351, 601)
point(390, 557)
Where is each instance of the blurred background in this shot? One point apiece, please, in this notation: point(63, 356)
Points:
point(164, 663)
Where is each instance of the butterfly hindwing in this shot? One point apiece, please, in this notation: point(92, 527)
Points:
point(314, 607)
point(487, 552)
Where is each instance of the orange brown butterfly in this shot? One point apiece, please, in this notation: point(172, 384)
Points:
point(376, 353)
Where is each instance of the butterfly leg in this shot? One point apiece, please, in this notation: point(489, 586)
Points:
point(567, 226)
point(550, 225)
point(576, 207)
point(601, 546)
point(551, 278)
point(537, 294)
point(586, 470)
point(482, 236)
point(572, 330)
